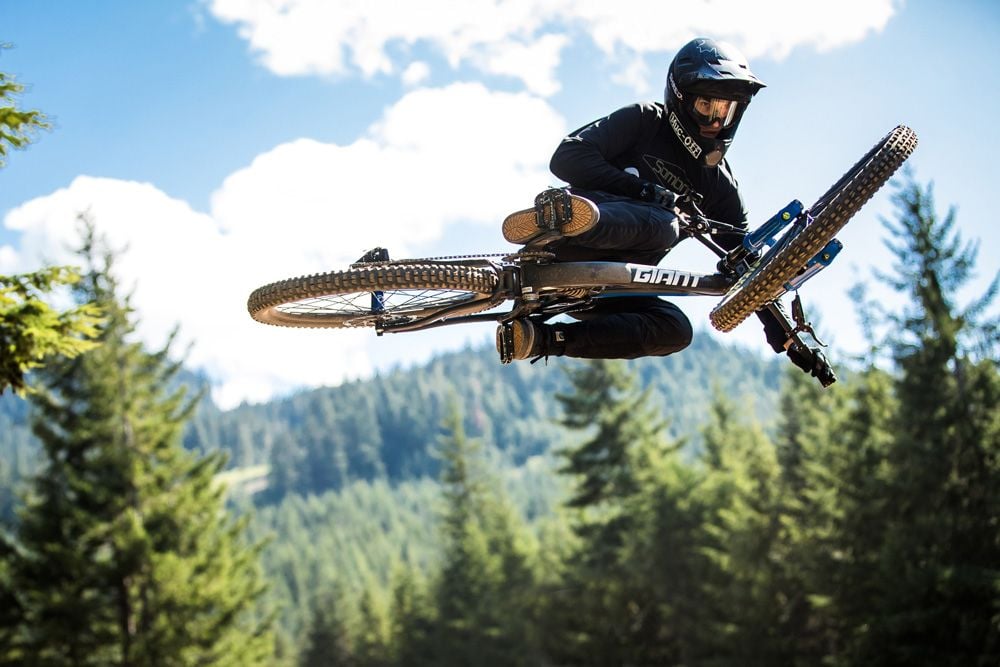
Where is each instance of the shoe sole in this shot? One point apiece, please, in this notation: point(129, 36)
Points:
point(522, 340)
point(522, 227)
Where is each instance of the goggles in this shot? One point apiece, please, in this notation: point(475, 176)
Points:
point(707, 110)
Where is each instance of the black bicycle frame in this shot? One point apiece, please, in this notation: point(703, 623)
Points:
point(547, 288)
point(621, 279)
point(528, 284)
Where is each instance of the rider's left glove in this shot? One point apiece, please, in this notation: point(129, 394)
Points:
point(812, 360)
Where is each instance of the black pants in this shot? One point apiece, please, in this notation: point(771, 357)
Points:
point(625, 327)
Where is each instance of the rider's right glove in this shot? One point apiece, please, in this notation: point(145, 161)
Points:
point(657, 194)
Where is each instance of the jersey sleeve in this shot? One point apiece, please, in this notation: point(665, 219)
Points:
point(585, 158)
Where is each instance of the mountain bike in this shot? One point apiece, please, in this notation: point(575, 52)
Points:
point(790, 248)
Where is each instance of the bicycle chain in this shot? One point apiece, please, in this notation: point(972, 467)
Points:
point(447, 258)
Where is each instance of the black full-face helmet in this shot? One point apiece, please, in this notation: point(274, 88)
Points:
point(709, 86)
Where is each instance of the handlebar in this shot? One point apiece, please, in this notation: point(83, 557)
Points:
point(699, 224)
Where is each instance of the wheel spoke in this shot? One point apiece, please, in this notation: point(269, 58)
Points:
point(407, 293)
point(395, 302)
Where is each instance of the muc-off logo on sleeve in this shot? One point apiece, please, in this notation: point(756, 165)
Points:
point(652, 275)
point(686, 139)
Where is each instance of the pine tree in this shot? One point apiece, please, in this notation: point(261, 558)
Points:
point(372, 632)
point(31, 330)
point(833, 447)
point(128, 556)
point(846, 513)
point(10, 607)
point(606, 613)
point(744, 586)
point(485, 581)
point(327, 643)
point(411, 622)
point(941, 557)
point(18, 126)
point(808, 514)
point(661, 562)
point(606, 405)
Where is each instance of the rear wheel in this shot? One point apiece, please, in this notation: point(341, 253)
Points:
point(830, 213)
point(369, 296)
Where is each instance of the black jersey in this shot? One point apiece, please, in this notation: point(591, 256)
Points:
point(636, 144)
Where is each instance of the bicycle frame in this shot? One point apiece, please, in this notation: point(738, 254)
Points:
point(545, 289)
point(549, 289)
point(622, 279)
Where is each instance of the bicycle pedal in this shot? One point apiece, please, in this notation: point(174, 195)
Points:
point(505, 342)
point(553, 209)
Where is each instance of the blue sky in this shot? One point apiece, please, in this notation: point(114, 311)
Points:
point(228, 144)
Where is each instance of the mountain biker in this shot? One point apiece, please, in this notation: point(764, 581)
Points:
point(625, 172)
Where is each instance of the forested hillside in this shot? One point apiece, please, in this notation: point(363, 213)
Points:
point(381, 428)
point(352, 487)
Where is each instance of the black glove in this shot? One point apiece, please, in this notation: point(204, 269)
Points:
point(812, 360)
point(657, 194)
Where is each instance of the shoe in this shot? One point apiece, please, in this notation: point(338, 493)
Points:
point(557, 213)
point(523, 339)
point(812, 361)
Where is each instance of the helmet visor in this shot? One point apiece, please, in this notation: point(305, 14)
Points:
point(707, 110)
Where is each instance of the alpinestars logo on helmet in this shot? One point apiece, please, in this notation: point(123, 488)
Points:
point(705, 46)
point(689, 143)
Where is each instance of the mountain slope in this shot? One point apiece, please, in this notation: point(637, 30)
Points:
point(385, 427)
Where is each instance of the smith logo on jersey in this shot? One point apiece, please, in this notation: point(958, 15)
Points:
point(669, 174)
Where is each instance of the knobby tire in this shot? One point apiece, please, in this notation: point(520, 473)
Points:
point(831, 212)
point(342, 299)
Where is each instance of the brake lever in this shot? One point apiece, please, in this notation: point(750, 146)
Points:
point(699, 224)
point(801, 324)
point(689, 204)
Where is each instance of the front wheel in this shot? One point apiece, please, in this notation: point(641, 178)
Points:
point(376, 295)
point(765, 282)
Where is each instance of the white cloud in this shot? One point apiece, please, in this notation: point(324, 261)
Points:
point(426, 164)
point(300, 208)
point(524, 38)
point(416, 73)
point(535, 62)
